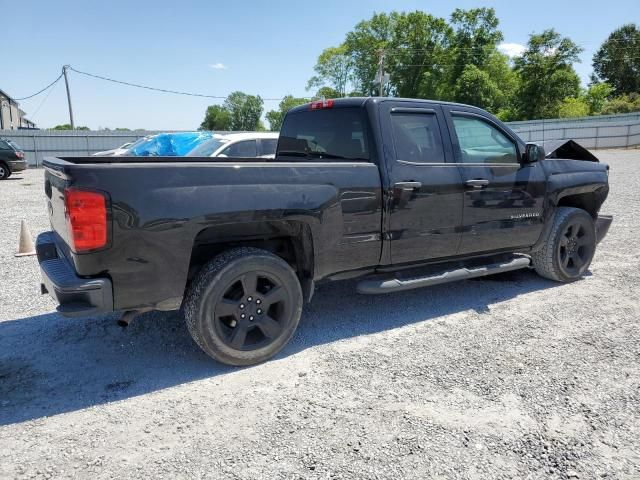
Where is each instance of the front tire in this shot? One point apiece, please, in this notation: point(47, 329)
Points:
point(244, 306)
point(569, 249)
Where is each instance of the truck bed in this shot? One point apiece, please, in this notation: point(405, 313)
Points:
point(162, 208)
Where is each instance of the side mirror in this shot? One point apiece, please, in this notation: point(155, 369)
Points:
point(533, 153)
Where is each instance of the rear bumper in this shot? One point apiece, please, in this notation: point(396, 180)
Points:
point(602, 226)
point(18, 165)
point(76, 296)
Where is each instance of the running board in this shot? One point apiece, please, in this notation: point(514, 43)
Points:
point(388, 285)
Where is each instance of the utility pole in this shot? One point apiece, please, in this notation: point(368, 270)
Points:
point(66, 82)
point(381, 71)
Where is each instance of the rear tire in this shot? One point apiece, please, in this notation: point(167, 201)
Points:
point(244, 306)
point(569, 249)
point(5, 172)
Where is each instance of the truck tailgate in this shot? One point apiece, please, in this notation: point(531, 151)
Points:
point(55, 182)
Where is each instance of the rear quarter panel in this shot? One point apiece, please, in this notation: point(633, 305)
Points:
point(159, 209)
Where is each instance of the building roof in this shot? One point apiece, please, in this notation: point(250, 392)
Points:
point(9, 97)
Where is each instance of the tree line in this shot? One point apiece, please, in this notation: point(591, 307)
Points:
point(459, 60)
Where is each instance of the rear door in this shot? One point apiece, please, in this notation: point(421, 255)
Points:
point(425, 212)
point(503, 199)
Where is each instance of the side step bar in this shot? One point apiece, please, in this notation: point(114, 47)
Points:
point(388, 285)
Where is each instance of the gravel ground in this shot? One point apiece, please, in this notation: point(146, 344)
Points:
point(505, 377)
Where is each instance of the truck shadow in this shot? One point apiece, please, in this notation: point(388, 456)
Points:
point(51, 365)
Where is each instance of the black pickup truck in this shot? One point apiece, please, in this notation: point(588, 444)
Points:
point(401, 193)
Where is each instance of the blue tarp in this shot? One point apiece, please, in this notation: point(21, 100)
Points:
point(170, 144)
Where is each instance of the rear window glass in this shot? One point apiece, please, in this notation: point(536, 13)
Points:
point(14, 145)
point(328, 134)
point(9, 145)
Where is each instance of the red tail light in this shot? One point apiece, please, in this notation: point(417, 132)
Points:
point(86, 214)
point(20, 155)
point(320, 104)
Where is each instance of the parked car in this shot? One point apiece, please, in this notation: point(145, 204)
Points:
point(251, 144)
point(399, 193)
point(121, 150)
point(173, 144)
point(11, 158)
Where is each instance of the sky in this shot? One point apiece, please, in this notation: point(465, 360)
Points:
point(216, 47)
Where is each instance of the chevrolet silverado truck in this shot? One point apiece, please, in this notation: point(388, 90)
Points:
point(399, 193)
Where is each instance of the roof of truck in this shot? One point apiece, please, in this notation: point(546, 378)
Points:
point(362, 101)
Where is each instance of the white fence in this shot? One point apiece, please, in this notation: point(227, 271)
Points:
point(38, 144)
point(606, 131)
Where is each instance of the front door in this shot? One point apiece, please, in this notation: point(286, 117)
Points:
point(425, 206)
point(503, 199)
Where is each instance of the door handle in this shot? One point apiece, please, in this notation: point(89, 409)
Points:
point(477, 183)
point(407, 186)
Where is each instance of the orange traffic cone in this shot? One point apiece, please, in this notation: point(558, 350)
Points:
point(25, 248)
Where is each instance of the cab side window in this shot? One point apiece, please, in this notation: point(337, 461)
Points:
point(269, 146)
point(417, 137)
point(245, 149)
point(481, 142)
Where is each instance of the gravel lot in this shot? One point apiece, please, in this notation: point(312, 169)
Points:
point(505, 377)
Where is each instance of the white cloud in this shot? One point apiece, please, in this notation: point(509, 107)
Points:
point(218, 66)
point(512, 49)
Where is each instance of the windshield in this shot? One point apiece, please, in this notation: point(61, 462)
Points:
point(205, 149)
point(138, 142)
point(340, 134)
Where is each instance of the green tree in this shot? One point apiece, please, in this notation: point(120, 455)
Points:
point(334, 68)
point(67, 126)
point(326, 92)
point(476, 37)
point(475, 87)
point(546, 75)
point(217, 117)
point(418, 56)
point(573, 107)
point(622, 104)
point(364, 44)
point(275, 117)
point(597, 96)
point(617, 61)
point(244, 110)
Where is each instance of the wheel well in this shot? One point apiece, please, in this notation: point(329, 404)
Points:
point(585, 201)
point(291, 241)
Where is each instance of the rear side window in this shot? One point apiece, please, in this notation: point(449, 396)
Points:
point(327, 134)
point(269, 146)
point(417, 137)
point(4, 145)
point(246, 148)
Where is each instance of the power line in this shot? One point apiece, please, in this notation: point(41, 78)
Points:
point(33, 115)
point(163, 90)
point(40, 91)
